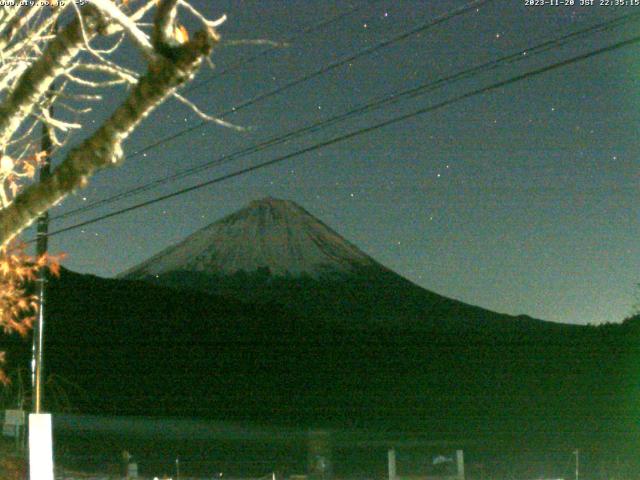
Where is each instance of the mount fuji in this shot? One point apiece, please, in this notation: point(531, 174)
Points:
point(268, 314)
point(273, 251)
point(278, 235)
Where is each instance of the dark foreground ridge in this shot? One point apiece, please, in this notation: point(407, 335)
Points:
point(137, 348)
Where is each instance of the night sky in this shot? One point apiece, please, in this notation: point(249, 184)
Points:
point(523, 200)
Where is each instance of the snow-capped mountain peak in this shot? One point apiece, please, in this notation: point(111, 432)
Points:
point(268, 233)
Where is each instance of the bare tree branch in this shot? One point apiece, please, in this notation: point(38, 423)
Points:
point(104, 147)
point(164, 23)
point(129, 25)
point(33, 54)
point(37, 79)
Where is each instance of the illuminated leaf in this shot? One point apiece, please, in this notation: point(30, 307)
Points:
point(5, 268)
point(181, 34)
point(29, 170)
point(54, 268)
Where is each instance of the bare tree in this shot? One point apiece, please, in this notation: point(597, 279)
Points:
point(48, 55)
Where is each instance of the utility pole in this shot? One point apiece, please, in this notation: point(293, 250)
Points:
point(41, 281)
point(46, 146)
point(391, 461)
point(40, 424)
point(577, 454)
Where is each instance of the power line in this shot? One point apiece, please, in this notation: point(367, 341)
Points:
point(362, 131)
point(266, 51)
point(364, 108)
point(321, 71)
point(475, 4)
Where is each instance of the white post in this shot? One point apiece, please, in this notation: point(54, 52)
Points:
point(460, 464)
point(40, 447)
point(391, 455)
